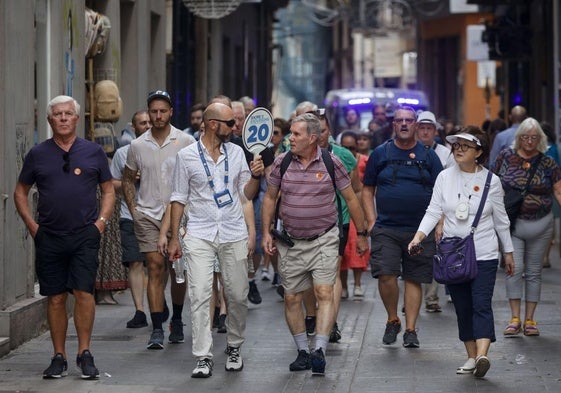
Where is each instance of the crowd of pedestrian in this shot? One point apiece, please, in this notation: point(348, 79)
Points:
point(194, 207)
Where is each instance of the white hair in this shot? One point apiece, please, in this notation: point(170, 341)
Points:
point(62, 100)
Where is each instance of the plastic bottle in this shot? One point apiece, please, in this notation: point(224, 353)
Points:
point(179, 271)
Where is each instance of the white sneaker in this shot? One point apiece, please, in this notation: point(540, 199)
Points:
point(358, 293)
point(344, 294)
point(234, 361)
point(467, 368)
point(265, 276)
point(482, 365)
point(203, 369)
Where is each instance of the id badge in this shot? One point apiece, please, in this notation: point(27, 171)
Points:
point(223, 198)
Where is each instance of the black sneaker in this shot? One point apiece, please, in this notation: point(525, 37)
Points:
point(138, 321)
point(335, 334)
point(276, 280)
point(310, 326)
point(318, 362)
point(392, 329)
point(165, 314)
point(176, 331)
point(222, 324)
point(302, 362)
point(253, 295)
point(410, 339)
point(57, 369)
point(156, 339)
point(85, 363)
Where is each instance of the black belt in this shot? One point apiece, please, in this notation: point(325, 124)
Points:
point(315, 236)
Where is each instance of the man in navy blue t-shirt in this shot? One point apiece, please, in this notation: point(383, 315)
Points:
point(400, 174)
point(67, 171)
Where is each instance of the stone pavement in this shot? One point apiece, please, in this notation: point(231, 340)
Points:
point(359, 363)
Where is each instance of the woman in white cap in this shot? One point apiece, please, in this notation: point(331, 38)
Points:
point(456, 196)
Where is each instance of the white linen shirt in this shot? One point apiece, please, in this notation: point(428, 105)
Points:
point(155, 164)
point(494, 220)
point(190, 186)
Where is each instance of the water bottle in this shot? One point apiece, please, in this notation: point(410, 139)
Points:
point(179, 271)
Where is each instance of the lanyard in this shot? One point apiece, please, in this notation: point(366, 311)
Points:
point(209, 177)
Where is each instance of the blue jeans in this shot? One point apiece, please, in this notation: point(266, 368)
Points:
point(472, 301)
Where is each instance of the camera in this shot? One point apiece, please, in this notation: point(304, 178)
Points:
point(282, 237)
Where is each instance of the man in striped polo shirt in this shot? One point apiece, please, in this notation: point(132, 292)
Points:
point(309, 215)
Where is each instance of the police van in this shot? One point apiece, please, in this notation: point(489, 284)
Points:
point(362, 100)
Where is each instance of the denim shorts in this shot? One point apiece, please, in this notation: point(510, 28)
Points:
point(65, 263)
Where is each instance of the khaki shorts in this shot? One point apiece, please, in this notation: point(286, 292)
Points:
point(147, 230)
point(309, 262)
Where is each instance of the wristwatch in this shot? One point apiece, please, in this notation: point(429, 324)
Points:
point(103, 219)
point(362, 233)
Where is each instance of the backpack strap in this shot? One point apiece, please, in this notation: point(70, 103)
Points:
point(329, 165)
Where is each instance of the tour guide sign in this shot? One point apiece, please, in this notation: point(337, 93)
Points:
point(257, 130)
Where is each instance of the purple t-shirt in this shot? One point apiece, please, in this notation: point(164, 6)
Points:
point(67, 200)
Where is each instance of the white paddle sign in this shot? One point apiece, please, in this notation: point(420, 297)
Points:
point(257, 130)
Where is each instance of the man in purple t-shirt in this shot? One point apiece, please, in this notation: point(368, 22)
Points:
point(67, 171)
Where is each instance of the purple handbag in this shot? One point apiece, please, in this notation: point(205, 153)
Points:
point(455, 261)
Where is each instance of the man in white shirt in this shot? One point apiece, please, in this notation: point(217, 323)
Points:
point(214, 176)
point(153, 155)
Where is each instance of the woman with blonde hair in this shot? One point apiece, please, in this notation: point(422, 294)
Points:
point(534, 225)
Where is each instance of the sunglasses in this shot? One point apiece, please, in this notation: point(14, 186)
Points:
point(319, 112)
point(66, 165)
point(230, 123)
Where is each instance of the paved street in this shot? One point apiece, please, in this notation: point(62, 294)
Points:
point(360, 363)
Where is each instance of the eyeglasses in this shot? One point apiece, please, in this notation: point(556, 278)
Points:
point(276, 132)
point(230, 123)
point(462, 146)
point(407, 121)
point(66, 165)
point(527, 138)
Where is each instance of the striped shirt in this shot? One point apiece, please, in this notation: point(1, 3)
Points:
point(308, 205)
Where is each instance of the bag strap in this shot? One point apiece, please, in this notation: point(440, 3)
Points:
point(531, 175)
point(482, 202)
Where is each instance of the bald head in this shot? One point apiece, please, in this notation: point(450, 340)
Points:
point(219, 120)
point(517, 114)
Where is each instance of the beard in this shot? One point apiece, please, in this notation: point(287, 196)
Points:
point(224, 138)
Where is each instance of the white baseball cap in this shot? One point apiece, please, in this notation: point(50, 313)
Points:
point(467, 137)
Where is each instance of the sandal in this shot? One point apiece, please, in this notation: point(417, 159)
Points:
point(513, 327)
point(531, 328)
